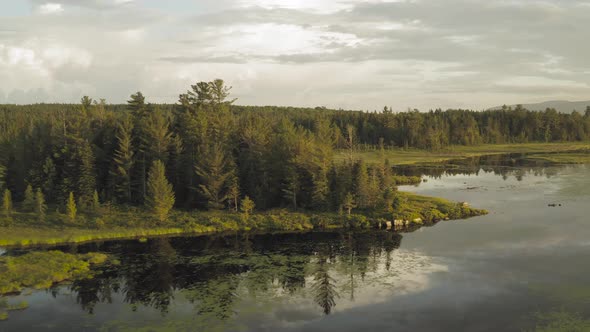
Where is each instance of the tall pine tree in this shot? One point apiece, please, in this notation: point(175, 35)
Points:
point(160, 196)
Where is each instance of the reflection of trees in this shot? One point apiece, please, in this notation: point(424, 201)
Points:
point(96, 290)
point(150, 282)
point(215, 298)
point(504, 165)
point(212, 272)
point(324, 286)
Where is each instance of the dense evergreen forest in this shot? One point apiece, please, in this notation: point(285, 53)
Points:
point(207, 153)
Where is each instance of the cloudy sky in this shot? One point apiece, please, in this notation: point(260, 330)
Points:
point(353, 54)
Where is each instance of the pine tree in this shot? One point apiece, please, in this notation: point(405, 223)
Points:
point(234, 193)
point(349, 203)
point(95, 202)
point(361, 184)
point(87, 175)
point(158, 136)
point(71, 209)
point(123, 161)
point(247, 206)
point(7, 203)
point(160, 196)
point(29, 201)
point(40, 207)
point(292, 186)
point(320, 190)
point(214, 171)
point(140, 112)
point(2, 175)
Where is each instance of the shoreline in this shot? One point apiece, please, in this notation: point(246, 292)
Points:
point(417, 211)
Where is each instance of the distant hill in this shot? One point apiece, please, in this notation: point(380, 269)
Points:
point(562, 106)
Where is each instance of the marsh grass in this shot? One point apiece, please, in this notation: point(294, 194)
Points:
point(27, 231)
point(562, 158)
point(42, 269)
point(399, 156)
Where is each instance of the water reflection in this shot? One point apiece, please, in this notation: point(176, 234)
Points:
point(505, 165)
point(218, 274)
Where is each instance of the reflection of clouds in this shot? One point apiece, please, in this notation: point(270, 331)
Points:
point(409, 272)
point(2, 251)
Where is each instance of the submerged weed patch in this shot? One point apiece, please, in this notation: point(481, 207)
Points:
point(41, 269)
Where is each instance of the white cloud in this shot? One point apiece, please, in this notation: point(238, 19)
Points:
point(50, 8)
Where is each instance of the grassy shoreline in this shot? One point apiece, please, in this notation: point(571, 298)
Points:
point(417, 210)
point(400, 156)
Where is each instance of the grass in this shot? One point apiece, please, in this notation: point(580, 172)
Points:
point(58, 234)
point(41, 269)
point(26, 231)
point(398, 156)
point(562, 158)
point(432, 209)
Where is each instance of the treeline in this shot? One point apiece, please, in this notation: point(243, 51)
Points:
point(206, 153)
point(200, 154)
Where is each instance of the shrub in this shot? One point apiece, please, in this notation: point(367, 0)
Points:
point(357, 221)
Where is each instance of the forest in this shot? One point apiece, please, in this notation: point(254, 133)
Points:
point(206, 153)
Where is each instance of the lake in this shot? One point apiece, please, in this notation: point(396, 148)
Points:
point(525, 266)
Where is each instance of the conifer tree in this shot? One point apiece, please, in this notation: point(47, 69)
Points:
point(95, 202)
point(123, 161)
point(349, 203)
point(29, 201)
point(361, 184)
point(140, 112)
point(87, 175)
point(292, 186)
point(160, 196)
point(247, 206)
point(2, 175)
point(157, 135)
point(320, 190)
point(234, 193)
point(71, 209)
point(214, 170)
point(7, 203)
point(40, 207)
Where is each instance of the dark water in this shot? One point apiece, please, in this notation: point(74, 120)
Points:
point(524, 266)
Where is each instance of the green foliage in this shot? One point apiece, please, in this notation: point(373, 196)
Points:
point(95, 202)
point(247, 206)
point(361, 184)
point(215, 171)
point(357, 221)
point(29, 201)
point(160, 198)
point(123, 161)
point(7, 203)
point(558, 321)
point(71, 208)
point(40, 206)
point(349, 203)
point(41, 269)
point(2, 175)
point(87, 175)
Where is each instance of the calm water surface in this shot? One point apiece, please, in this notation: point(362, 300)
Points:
point(524, 266)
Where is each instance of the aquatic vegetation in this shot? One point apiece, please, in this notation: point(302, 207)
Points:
point(559, 321)
point(582, 157)
point(5, 308)
point(41, 269)
point(399, 156)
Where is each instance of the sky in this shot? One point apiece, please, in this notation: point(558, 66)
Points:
point(350, 54)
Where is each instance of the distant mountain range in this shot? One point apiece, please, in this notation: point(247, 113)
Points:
point(562, 106)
